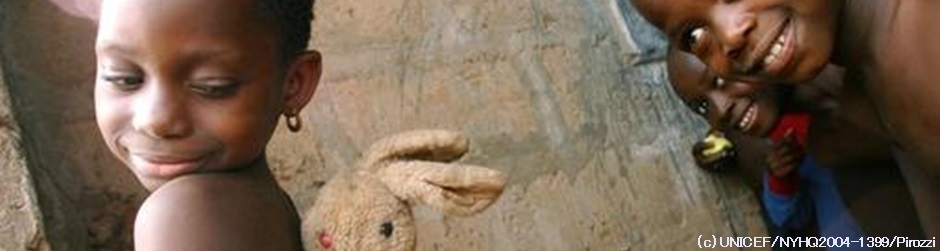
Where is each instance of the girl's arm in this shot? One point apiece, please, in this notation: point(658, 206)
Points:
point(213, 212)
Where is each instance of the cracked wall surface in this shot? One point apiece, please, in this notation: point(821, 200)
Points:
point(86, 198)
point(567, 97)
point(20, 218)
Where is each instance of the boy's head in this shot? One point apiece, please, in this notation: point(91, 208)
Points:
point(787, 41)
point(186, 86)
point(750, 109)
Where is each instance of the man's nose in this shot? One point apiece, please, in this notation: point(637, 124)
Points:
point(733, 25)
point(161, 112)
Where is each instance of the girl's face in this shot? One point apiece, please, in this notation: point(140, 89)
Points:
point(750, 109)
point(186, 86)
point(757, 41)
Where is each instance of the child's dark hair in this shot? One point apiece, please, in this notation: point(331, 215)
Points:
point(292, 18)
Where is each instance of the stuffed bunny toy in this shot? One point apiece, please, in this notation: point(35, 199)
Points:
point(369, 207)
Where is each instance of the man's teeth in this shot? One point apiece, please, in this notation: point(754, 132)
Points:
point(775, 50)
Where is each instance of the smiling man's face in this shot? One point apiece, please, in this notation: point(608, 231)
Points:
point(186, 86)
point(760, 41)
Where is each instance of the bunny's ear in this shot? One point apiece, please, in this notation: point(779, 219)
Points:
point(453, 189)
point(430, 145)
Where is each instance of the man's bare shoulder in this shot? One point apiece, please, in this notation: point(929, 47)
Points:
point(213, 212)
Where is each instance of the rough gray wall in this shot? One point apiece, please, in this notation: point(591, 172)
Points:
point(20, 218)
point(87, 199)
point(567, 97)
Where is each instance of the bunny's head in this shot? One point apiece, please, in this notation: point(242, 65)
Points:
point(370, 207)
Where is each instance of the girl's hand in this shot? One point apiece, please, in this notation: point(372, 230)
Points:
point(714, 152)
point(785, 156)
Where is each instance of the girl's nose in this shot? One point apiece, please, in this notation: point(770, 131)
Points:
point(720, 103)
point(160, 112)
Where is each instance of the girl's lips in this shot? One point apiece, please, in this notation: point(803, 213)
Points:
point(164, 166)
point(748, 119)
point(741, 115)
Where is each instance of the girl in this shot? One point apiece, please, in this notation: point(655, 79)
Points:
point(188, 94)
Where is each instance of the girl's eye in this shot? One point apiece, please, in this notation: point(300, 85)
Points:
point(215, 88)
point(719, 82)
point(124, 82)
point(692, 37)
point(702, 107)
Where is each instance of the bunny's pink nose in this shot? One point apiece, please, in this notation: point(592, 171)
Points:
point(325, 239)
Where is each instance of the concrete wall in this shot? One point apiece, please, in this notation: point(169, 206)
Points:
point(556, 93)
point(86, 197)
point(567, 97)
point(20, 218)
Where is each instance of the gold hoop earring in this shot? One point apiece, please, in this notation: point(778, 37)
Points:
point(293, 122)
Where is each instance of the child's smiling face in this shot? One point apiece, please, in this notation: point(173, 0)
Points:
point(187, 86)
point(750, 109)
point(756, 40)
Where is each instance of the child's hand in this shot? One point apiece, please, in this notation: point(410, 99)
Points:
point(714, 152)
point(784, 156)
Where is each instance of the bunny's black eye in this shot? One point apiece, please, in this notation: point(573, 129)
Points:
point(387, 229)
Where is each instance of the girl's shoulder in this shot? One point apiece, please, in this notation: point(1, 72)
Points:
point(215, 211)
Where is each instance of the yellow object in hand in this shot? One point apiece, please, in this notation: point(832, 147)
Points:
point(718, 144)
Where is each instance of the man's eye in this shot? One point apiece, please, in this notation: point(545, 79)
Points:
point(692, 37)
point(215, 88)
point(124, 82)
point(702, 107)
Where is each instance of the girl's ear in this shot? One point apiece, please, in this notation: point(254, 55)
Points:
point(302, 80)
